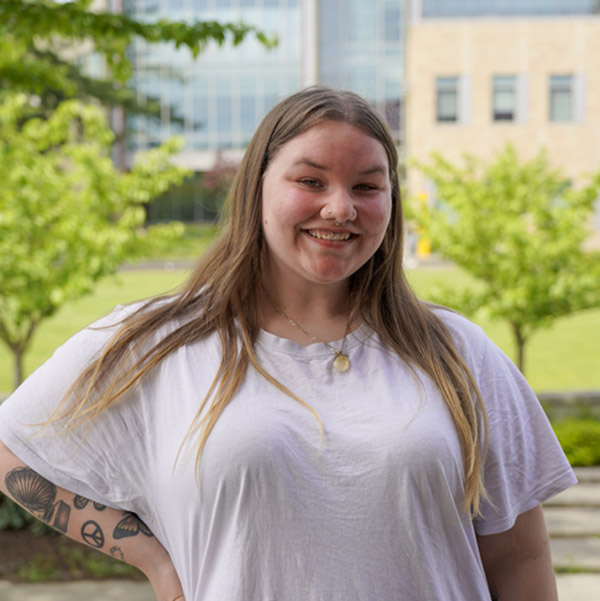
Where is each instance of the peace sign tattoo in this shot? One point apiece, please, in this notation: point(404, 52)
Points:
point(92, 534)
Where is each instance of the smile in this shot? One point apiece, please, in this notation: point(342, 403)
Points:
point(326, 235)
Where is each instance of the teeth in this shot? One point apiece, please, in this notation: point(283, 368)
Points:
point(324, 235)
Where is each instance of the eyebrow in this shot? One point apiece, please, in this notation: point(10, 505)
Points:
point(368, 171)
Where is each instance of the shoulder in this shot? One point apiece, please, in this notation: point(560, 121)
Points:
point(88, 343)
point(470, 340)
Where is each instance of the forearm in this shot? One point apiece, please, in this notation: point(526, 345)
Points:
point(526, 580)
point(518, 563)
point(117, 533)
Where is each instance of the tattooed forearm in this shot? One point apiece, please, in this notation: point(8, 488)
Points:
point(106, 529)
point(38, 496)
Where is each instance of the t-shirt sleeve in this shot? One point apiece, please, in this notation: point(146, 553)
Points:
point(525, 464)
point(103, 460)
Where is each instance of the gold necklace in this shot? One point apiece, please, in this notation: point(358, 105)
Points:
point(341, 362)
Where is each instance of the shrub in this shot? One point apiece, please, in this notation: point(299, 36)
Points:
point(13, 517)
point(580, 440)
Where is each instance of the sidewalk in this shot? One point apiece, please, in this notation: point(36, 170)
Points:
point(106, 590)
point(571, 587)
point(573, 519)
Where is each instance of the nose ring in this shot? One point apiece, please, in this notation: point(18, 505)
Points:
point(338, 223)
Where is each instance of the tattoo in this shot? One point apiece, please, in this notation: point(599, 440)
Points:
point(32, 491)
point(116, 552)
point(92, 534)
point(81, 502)
point(61, 519)
point(131, 525)
point(38, 496)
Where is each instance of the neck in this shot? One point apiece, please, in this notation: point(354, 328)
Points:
point(323, 311)
point(308, 299)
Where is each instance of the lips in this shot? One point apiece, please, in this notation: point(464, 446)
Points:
point(329, 235)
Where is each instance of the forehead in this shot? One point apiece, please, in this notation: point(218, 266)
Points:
point(332, 140)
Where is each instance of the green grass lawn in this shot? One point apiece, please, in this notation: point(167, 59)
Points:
point(565, 357)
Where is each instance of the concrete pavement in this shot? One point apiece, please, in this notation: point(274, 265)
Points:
point(573, 519)
point(106, 590)
point(571, 587)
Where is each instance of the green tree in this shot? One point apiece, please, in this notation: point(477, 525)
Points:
point(67, 216)
point(519, 228)
point(38, 36)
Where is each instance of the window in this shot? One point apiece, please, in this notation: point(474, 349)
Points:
point(504, 98)
point(561, 98)
point(392, 22)
point(447, 99)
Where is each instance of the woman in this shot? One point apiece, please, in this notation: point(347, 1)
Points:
point(296, 424)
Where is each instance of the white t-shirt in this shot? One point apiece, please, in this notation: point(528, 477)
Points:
point(369, 510)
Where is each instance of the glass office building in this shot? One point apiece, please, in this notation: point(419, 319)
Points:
point(217, 100)
point(361, 48)
point(499, 8)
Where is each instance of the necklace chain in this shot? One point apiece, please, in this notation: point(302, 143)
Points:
point(341, 362)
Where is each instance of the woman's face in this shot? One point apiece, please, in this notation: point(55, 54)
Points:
point(333, 172)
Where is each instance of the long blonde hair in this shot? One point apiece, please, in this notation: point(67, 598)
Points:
point(222, 296)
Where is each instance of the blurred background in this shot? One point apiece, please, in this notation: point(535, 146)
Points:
point(494, 106)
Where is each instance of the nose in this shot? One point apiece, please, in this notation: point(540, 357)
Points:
point(339, 206)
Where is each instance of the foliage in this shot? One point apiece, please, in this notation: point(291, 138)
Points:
point(519, 229)
point(71, 562)
point(37, 35)
point(580, 440)
point(13, 517)
point(67, 216)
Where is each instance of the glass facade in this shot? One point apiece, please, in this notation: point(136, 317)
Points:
point(361, 48)
point(217, 100)
point(480, 8)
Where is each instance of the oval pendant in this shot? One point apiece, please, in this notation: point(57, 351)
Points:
point(341, 363)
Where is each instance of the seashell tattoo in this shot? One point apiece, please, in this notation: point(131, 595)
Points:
point(37, 495)
point(31, 490)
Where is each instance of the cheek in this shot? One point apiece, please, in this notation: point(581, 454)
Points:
point(380, 214)
point(287, 210)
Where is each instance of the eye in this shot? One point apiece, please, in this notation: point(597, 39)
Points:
point(365, 187)
point(310, 182)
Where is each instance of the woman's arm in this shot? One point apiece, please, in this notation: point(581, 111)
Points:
point(517, 563)
point(120, 534)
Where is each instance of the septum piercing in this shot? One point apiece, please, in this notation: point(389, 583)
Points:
point(338, 224)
